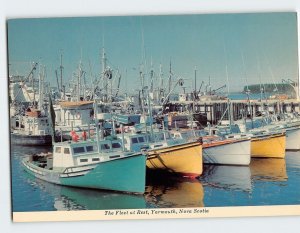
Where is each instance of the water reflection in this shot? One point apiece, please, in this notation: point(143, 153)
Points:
point(169, 191)
point(227, 177)
point(293, 160)
point(268, 169)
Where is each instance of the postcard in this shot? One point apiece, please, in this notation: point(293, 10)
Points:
point(150, 117)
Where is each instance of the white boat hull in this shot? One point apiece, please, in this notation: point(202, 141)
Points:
point(235, 153)
point(293, 139)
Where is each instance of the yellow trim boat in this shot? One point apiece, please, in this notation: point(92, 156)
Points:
point(166, 153)
point(268, 145)
point(184, 159)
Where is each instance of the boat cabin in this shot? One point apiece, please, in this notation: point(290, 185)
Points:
point(136, 142)
point(31, 125)
point(74, 113)
point(69, 154)
point(188, 134)
point(144, 141)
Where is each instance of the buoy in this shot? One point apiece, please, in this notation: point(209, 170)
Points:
point(84, 136)
point(75, 137)
point(72, 132)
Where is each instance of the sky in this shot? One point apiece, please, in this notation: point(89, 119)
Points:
point(231, 49)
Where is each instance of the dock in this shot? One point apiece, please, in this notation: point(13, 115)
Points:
point(215, 110)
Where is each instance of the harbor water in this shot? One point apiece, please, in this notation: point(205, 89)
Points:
point(264, 182)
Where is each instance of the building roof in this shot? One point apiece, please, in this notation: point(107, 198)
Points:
point(74, 104)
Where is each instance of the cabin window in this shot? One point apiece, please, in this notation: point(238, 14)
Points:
point(141, 139)
point(78, 150)
point(184, 135)
point(66, 151)
point(134, 140)
point(58, 150)
point(116, 145)
point(160, 137)
point(90, 148)
point(83, 160)
point(105, 147)
point(95, 159)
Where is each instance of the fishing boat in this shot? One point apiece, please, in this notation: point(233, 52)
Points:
point(90, 164)
point(266, 141)
point(291, 125)
point(267, 144)
point(73, 116)
point(166, 153)
point(29, 116)
point(219, 150)
point(32, 129)
point(226, 151)
point(283, 122)
point(292, 133)
point(184, 159)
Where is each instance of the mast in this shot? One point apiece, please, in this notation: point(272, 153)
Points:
point(24, 81)
point(79, 81)
point(40, 87)
point(33, 90)
point(161, 84)
point(142, 97)
point(57, 80)
point(97, 124)
point(105, 82)
point(230, 110)
point(170, 77)
point(151, 77)
point(247, 92)
point(61, 75)
point(195, 89)
point(150, 115)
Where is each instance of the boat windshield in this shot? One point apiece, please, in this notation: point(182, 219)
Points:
point(90, 148)
point(116, 145)
point(141, 139)
point(105, 146)
point(78, 150)
point(162, 136)
point(185, 135)
point(134, 140)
